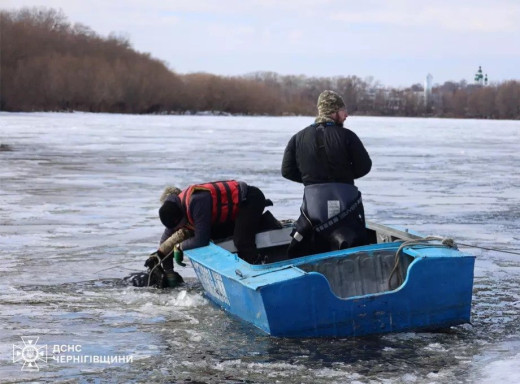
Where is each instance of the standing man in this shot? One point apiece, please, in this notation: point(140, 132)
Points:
point(215, 210)
point(326, 158)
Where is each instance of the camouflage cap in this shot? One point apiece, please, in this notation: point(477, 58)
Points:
point(329, 102)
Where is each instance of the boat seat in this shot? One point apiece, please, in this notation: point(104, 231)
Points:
point(361, 273)
point(266, 239)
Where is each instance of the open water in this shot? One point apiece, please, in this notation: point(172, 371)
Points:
point(79, 195)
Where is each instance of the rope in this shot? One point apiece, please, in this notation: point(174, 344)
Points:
point(159, 262)
point(118, 266)
point(444, 241)
point(490, 249)
point(447, 242)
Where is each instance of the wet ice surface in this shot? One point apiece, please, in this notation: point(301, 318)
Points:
point(78, 211)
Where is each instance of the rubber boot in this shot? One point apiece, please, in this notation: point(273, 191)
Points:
point(173, 279)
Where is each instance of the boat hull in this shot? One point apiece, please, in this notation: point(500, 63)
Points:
point(289, 299)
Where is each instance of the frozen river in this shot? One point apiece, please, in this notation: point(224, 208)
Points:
point(79, 195)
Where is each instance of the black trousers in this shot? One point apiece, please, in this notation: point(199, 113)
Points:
point(247, 224)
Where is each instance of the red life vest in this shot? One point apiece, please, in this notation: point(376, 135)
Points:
point(225, 198)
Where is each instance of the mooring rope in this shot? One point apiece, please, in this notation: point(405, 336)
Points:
point(447, 242)
point(489, 249)
point(118, 266)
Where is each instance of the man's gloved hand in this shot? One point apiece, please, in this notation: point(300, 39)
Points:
point(178, 255)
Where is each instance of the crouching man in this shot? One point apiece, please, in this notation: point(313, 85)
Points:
point(214, 210)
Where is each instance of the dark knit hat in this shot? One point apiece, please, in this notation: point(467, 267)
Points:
point(171, 213)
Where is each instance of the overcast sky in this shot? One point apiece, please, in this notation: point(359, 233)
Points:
point(397, 42)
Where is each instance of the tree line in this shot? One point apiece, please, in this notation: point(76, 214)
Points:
point(49, 64)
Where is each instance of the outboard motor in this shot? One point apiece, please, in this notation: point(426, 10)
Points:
point(332, 218)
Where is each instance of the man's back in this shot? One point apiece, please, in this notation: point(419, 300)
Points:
point(347, 158)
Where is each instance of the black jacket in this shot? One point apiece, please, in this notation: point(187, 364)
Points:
point(346, 156)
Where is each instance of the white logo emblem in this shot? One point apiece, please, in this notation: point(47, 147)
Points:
point(30, 353)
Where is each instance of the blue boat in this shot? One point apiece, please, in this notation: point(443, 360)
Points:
point(402, 281)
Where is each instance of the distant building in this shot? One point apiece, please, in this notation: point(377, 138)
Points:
point(428, 86)
point(480, 79)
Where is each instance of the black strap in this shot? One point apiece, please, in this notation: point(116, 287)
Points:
point(229, 201)
point(322, 150)
point(218, 202)
point(183, 202)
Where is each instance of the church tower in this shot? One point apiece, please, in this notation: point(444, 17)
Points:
point(479, 77)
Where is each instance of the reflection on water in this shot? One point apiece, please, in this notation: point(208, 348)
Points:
point(78, 207)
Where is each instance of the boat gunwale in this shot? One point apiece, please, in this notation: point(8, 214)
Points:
point(246, 274)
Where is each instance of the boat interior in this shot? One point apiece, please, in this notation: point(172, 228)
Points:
point(362, 273)
point(355, 274)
